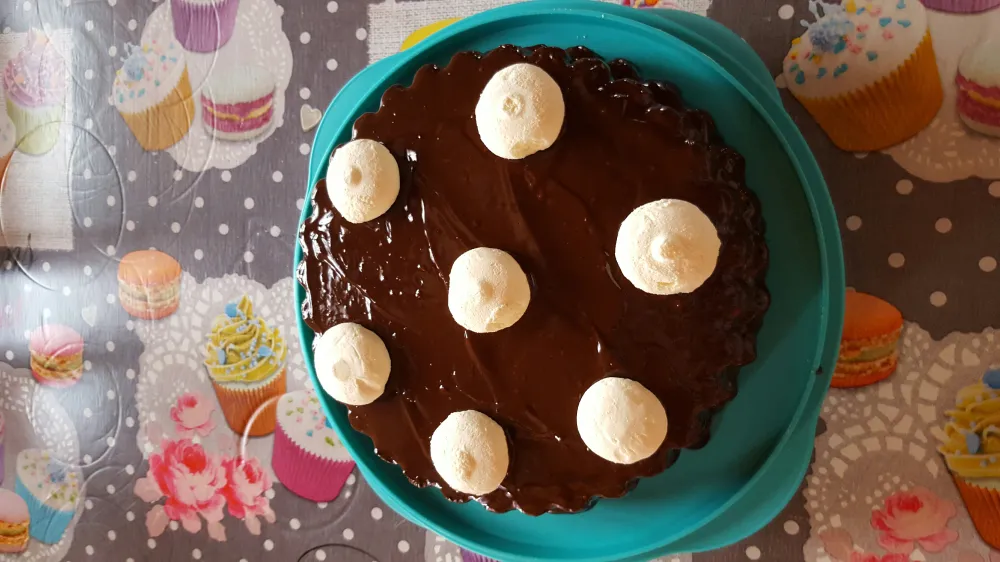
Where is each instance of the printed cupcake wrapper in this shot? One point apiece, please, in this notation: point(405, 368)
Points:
point(166, 123)
point(38, 128)
point(305, 474)
point(469, 556)
point(47, 525)
point(203, 28)
point(983, 505)
point(961, 6)
point(4, 162)
point(887, 112)
point(239, 406)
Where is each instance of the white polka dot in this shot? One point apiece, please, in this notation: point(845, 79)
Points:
point(46, 312)
point(304, 149)
point(88, 504)
point(111, 200)
point(66, 3)
point(112, 3)
point(112, 50)
point(199, 202)
point(269, 494)
point(112, 535)
point(111, 250)
point(304, 37)
point(275, 231)
point(361, 34)
point(110, 489)
point(332, 64)
point(223, 229)
point(175, 227)
point(376, 513)
point(27, 289)
point(110, 299)
point(178, 175)
point(321, 555)
point(87, 412)
point(248, 203)
point(87, 173)
point(268, 544)
point(896, 260)
point(112, 150)
point(152, 200)
point(332, 7)
point(9, 355)
point(248, 256)
point(791, 527)
point(351, 479)
point(111, 394)
point(943, 225)
point(304, 93)
point(130, 374)
point(89, 550)
point(904, 187)
point(88, 74)
point(938, 298)
point(403, 546)
point(132, 24)
point(753, 553)
point(46, 266)
point(129, 325)
point(294, 524)
point(196, 554)
point(129, 469)
point(66, 291)
point(786, 12)
point(87, 459)
point(226, 175)
point(198, 254)
point(321, 505)
point(277, 176)
point(87, 365)
point(348, 534)
point(110, 346)
point(87, 222)
point(174, 525)
point(853, 222)
point(130, 421)
point(131, 175)
point(988, 264)
point(151, 543)
point(299, 203)
point(130, 225)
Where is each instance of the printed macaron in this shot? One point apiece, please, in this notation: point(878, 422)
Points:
point(149, 284)
point(14, 522)
point(238, 103)
point(56, 355)
point(869, 344)
point(978, 82)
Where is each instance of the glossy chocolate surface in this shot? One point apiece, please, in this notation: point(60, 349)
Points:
point(625, 143)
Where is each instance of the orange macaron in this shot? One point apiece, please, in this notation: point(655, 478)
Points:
point(869, 348)
point(149, 284)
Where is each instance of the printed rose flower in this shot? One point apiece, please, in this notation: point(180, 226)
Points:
point(247, 482)
point(914, 516)
point(191, 480)
point(866, 557)
point(192, 415)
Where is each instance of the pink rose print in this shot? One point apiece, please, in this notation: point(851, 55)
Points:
point(865, 557)
point(192, 481)
point(192, 415)
point(244, 493)
point(914, 516)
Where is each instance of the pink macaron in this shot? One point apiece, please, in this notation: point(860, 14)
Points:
point(56, 355)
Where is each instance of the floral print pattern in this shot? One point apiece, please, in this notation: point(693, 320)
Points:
point(916, 516)
point(192, 415)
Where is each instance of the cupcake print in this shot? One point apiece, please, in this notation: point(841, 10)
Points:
point(978, 82)
point(34, 82)
point(866, 71)
point(308, 457)
point(8, 137)
point(51, 489)
point(203, 26)
point(961, 6)
point(56, 355)
point(149, 284)
point(14, 522)
point(238, 103)
point(152, 91)
point(3, 440)
point(246, 361)
point(869, 343)
point(972, 453)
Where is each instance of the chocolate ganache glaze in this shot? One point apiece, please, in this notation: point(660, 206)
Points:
point(625, 142)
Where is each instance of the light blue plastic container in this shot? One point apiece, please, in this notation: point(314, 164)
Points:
point(762, 441)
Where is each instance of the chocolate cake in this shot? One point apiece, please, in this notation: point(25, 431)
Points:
point(626, 142)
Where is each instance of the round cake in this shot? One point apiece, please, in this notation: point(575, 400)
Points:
point(625, 143)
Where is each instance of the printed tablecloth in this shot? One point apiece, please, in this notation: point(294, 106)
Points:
point(120, 442)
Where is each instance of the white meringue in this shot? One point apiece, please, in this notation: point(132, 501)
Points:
point(362, 180)
point(667, 247)
point(469, 451)
point(520, 112)
point(487, 290)
point(621, 421)
point(352, 364)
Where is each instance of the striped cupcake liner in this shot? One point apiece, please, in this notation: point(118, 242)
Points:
point(38, 128)
point(305, 474)
point(961, 6)
point(251, 410)
point(983, 505)
point(204, 27)
point(48, 525)
point(165, 124)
